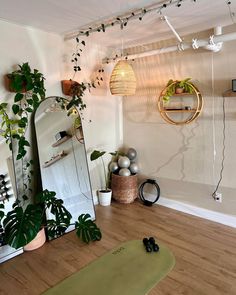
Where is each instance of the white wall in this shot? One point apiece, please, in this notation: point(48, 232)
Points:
point(181, 157)
point(43, 51)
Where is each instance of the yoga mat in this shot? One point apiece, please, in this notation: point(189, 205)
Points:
point(126, 270)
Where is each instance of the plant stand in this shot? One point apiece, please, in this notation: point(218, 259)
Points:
point(124, 188)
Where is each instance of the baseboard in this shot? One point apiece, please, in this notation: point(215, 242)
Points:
point(222, 218)
point(6, 253)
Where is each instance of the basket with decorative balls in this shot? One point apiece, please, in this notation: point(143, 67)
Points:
point(124, 180)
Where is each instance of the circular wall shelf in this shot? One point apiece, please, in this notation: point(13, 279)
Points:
point(181, 108)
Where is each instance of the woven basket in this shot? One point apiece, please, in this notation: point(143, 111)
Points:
point(124, 188)
point(123, 80)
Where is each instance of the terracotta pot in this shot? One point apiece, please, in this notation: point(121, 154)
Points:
point(37, 242)
point(179, 90)
point(7, 83)
point(66, 86)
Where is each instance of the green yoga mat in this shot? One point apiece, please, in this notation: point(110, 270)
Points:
point(126, 270)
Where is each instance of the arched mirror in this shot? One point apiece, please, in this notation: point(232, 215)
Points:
point(62, 156)
point(8, 192)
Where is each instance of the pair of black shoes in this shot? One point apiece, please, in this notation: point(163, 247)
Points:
point(150, 244)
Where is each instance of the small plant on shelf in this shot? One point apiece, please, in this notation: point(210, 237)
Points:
point(177, 87)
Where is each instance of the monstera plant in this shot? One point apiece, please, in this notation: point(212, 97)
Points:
point(21, 226)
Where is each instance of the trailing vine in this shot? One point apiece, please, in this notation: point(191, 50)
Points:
point(30, 91)
point(78, 89)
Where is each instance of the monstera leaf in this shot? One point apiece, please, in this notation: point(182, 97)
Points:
point(55, 230)
point(87, 230)
point(45, 197)
point(1, 211)
point(55, 227)
point(62, 215)
point(21, 227)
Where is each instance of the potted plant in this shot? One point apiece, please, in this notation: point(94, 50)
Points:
point(104, 195)
point(177, 87)
point(21, 226)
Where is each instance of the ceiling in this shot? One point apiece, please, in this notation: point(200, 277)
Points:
point(62, 17)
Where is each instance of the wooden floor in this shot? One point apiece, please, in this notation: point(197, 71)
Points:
point(205, 252)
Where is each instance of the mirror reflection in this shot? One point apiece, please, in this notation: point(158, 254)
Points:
point(62, 156)
point(8, 194)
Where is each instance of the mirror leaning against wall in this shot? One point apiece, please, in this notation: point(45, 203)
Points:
point(62, 156)
point(8, 194)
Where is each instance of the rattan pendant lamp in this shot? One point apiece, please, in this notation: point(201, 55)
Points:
point(123, 80)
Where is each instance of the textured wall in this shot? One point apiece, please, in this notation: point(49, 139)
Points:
point(181, 158)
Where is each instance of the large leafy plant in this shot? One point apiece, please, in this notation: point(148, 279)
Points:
point(99, 154)
point(21, 226)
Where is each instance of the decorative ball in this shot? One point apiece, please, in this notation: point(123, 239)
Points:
point(124, 172)
point(133, 168)
point(131, 154)
point(113, 167)
point(124, 162)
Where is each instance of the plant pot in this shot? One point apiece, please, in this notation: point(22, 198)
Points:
point(37, 242)
point(124, 188)
point(7, 83)
point(179, 90)
point(104, 197)
point(66, 86)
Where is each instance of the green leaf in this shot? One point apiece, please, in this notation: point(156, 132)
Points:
point(62, 215)
point(87, 230)
point(45, 196)
point(18, 97)
point(21, 227)
point(55, 230)
point(15, 108)
point(2, 214)
point(96, 154)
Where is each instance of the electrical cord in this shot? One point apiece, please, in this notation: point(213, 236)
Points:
point(223, 152)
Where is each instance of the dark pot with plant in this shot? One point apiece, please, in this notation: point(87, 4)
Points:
point(104, 195)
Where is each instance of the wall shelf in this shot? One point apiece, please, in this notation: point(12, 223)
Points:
point(229, 93)
point(54, 159)
point(178, 111)
point(60, 141)
point(189, 115)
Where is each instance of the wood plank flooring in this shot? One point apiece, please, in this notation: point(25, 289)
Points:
point(205, 252)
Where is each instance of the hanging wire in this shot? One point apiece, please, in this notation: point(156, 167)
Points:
point(231, 13)
point(213, 115)
point(223, 150)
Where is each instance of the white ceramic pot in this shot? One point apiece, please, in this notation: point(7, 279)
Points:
point(104, 197)
point(37, 242)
